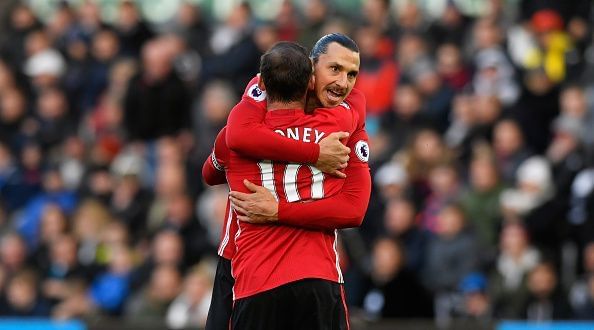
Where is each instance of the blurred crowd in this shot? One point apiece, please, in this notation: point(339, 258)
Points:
point(481, 128)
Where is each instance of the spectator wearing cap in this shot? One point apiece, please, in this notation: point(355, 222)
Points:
point(532, 202)
point(44, 64)
point(495, 76)
point(476, 303)
point(391, 180)
point(130, 199)
point(555, 51)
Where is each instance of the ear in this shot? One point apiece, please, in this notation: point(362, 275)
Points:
point(261, 84)
point(312, 83)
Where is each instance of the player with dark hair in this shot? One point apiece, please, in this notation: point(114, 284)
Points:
point(343, 210)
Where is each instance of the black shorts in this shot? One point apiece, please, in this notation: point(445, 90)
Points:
point(221, 302)
point(311, 304)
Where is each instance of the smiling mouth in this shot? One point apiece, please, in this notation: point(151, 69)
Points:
point(335, 95)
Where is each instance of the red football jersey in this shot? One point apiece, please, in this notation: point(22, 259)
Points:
point(339, 211)
point(269, 256)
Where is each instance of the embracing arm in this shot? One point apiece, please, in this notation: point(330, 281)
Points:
point(213, 169)
point(247, 134)
point(343, 210)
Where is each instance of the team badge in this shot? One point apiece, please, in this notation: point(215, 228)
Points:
point(256, 93)
point(362, 150)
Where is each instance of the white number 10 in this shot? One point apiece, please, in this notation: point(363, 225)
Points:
point(290, 180)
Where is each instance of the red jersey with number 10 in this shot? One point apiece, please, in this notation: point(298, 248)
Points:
point(268, 256)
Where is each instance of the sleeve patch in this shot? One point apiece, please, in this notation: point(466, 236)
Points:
point(362, 150)
point(256, 93)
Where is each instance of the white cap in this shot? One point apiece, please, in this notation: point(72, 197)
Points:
point(535, 170)
point(390, 173)
point(47, 62)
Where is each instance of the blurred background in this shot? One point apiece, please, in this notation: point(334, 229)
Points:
point(481, 122)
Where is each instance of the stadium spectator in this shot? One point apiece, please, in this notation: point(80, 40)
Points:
point(131, 29)
point(547, 300)
point(395, 291)
point(480, 201)
point(509, 148)
point(476, 304)
point(400, 223)
point(23, 298)
point(13, 253)
point(508, 280)
point(152, 302)
point(64, 272)
point(156, 102)
point(444, 186)
point(580, 293)
point(190, 308)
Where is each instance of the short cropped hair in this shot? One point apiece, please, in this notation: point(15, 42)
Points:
point(285, 70)
point(321, 47)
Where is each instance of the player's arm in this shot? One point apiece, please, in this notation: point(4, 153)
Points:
point(343, 210)
point(213, 169)
point(247, 135)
